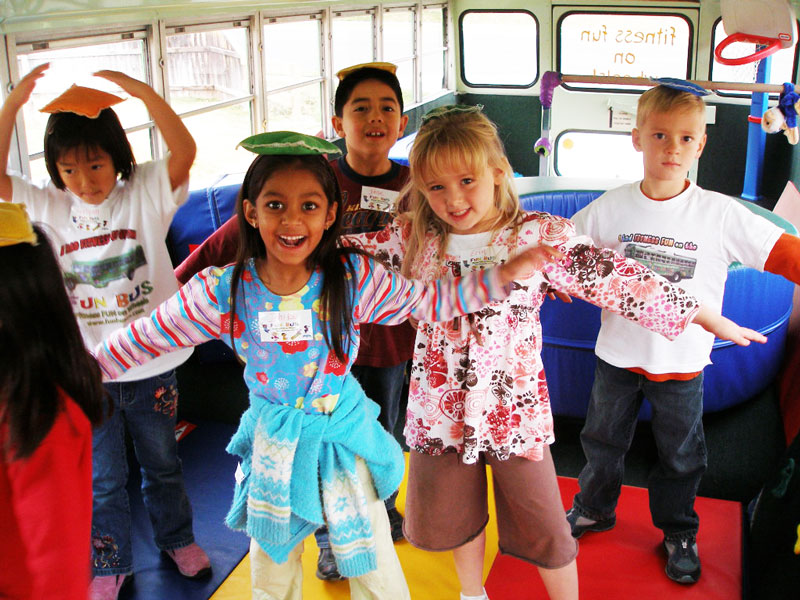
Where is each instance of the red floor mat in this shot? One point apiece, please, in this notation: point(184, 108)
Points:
point(627, 562)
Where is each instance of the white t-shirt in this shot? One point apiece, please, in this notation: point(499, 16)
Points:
point(113, 256)
point(690, 239)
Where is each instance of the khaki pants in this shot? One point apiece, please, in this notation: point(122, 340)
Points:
point(272, 581)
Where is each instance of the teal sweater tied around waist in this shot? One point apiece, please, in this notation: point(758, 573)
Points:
point(298, 471)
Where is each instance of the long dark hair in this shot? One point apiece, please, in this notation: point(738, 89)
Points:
point(338, 272)
point(41, 348)
point(66, 131)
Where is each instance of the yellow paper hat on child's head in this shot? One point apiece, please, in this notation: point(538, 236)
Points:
point(84, 101)
point(15, 226)
point(383, 66)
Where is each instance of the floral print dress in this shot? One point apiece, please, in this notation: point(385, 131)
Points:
point(477, 382)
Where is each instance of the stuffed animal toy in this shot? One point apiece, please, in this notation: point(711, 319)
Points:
point(784, 116)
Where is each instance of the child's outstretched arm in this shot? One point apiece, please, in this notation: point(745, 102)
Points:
point(388, 298)
point(188, 318)
point(725, 329)
point(526, 263)
point(8, 116)
point(179, 141)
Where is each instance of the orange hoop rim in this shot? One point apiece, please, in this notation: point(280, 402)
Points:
point(772, 46)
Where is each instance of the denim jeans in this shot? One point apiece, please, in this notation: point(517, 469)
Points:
point(147, 409)
point(384, 385)
point(678, 432)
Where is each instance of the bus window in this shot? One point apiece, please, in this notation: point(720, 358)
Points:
point(499, 48)
point(433, 54)
point(781, 67)
point(295, 89)
point(208, 72)
point(398, 29)
point(597, 154)
point(623, 44)
point(352, 38)
point(73, 60)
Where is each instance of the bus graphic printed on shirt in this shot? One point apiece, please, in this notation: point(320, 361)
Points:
point(671, 266)
point(100, 273)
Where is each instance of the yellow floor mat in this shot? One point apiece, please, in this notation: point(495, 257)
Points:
point(430, 575)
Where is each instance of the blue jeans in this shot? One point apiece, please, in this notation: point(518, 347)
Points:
point(147, 409)
point(384, 385)
point(678, 432)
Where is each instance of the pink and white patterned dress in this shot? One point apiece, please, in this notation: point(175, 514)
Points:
point(477, 382)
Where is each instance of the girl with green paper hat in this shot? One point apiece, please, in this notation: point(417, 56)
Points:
point(311, 448)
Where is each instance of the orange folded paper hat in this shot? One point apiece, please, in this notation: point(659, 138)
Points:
point(82, 101)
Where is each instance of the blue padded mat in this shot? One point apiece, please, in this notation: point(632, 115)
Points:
point(209, 476)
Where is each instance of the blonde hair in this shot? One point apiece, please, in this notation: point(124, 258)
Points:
point(450, 137)
point(665, 99)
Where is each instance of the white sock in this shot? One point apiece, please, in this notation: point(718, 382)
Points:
point(483, 596)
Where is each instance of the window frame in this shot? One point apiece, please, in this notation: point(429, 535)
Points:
point(322, 80)
point(153, 30)
point(680, 12)
point(494, 85)
point(32, 42)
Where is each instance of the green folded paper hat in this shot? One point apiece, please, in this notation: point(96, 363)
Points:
point(288, 142)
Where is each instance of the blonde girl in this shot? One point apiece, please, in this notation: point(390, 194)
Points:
point(312, 451)
point(477, 393)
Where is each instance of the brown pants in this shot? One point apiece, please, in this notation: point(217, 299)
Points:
point(446, 506)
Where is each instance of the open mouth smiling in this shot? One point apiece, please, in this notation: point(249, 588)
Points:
point(291, 241)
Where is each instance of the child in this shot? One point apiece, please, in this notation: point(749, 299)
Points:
point(369, 116)
point(50, 395)
point(478, 393)
point(109, 218)
point(670, 132)
point(291, 308)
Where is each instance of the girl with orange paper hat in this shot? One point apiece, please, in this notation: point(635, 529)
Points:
point(108, 218)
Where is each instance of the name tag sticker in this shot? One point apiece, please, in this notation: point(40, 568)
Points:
point(285, 326)
point(479, 259)
point(85, 217)
point(374, 198)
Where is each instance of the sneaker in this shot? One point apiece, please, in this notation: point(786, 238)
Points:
point(326, 566)
point(106, 587)
point(396, 524)
point(578, 524)
point(191, 560)
point(683, 563)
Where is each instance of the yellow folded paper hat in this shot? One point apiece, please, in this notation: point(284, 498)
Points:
point(383, 66)
point(15, 226)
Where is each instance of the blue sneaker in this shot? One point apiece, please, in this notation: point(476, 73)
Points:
point(326, 566)
point(683, 562)
point(578, 524)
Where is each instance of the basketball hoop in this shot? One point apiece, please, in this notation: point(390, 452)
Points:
point(766, 23)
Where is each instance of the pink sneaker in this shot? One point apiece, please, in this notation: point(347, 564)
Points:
point(191, 560)
point(106, 587)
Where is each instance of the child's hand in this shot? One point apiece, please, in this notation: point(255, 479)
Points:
point(525, 264)
point(23, 90)
point(132, 86)
point(725, 329)
point(553, 293)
